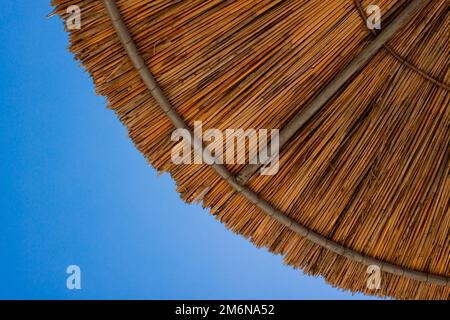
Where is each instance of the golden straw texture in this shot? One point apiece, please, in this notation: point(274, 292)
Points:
point(370, 172)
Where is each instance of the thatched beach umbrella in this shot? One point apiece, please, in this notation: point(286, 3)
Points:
point(364, 115)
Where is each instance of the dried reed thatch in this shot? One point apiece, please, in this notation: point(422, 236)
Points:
point(364, 117)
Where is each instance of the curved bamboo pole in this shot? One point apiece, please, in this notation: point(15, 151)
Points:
point(338, 82)
point(177, 121)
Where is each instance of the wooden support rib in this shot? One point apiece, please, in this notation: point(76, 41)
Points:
point(397, 56)
point(338, 82)
point(164, 103)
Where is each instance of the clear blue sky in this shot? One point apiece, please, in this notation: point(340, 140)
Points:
point(75, 191)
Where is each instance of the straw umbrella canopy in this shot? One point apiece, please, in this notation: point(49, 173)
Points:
point(364, 116)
